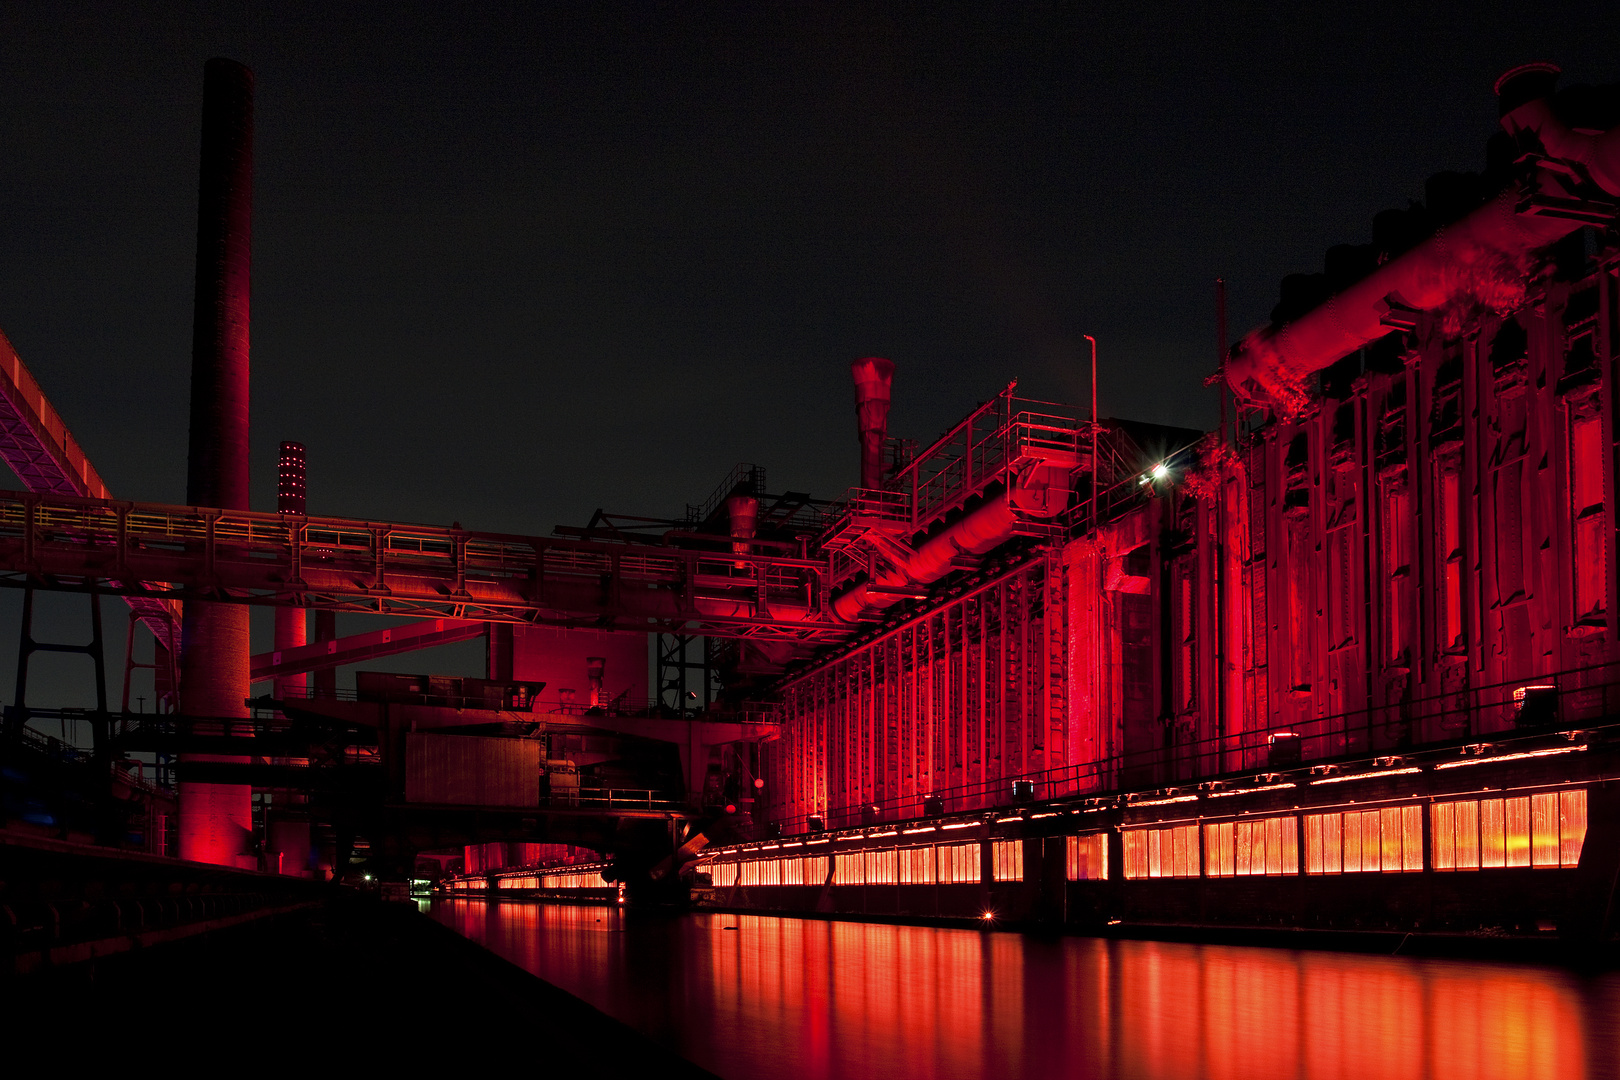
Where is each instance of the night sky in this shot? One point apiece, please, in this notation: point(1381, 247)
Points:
point(516, 262)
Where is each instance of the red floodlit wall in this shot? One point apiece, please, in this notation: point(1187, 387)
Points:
point(558, 657)
point(471, 770)
point(955, 702)
point(500, 855)
point(1376, 565)
point(1436, 531)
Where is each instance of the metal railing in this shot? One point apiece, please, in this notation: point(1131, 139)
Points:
point(395, 568)
point(979, 451)
point(743, 475)
point(608, 798)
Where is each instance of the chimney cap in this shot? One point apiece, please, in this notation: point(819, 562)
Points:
point(873, 376)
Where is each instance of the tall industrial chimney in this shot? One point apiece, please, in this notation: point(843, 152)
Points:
point(874, 379)
point(216, 820)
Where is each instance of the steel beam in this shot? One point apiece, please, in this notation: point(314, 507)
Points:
point(368, 646)
point(388, 568)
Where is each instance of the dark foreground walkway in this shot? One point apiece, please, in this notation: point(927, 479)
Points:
point(353, 982)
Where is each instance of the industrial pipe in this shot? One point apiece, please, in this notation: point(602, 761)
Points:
point(1525, 94)
point(292, 624)
point(1484, 258)
point(286, 828)
point(1043, 492)
point(595, 669)
point(743, 511)
point(874, 382)
point(216, 820)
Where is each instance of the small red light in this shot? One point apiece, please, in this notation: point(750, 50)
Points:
point(731, 808)
point(758, 783)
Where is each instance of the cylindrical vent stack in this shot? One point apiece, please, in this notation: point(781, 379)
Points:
point(595, 669)
point(874, 380)
point(292, 624)
point(287, 824)
point(743, 512)
point(216, 820)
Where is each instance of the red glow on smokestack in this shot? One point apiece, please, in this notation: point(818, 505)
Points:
point(216, 820)
point(874, 383)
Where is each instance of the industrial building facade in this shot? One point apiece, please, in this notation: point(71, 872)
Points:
point(1406, 540)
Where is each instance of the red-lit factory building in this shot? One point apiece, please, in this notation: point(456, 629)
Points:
point(1371, 627)
point(1351, 661)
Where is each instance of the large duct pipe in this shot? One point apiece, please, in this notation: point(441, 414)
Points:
point(743, 512)
point(1483, 258)
point(1041, 493)
point(874, 382)
point(216, 820)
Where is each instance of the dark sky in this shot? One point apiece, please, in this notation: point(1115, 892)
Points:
point(515, 262)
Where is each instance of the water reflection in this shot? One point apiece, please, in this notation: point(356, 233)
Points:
point(748, 995)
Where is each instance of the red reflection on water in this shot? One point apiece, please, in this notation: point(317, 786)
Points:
point(749, 995)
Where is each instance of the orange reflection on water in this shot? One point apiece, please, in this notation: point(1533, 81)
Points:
point(749, 995)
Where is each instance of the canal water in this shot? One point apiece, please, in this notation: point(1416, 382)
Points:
point(760, 996)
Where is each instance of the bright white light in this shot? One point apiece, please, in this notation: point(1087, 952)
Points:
point(1160, 471)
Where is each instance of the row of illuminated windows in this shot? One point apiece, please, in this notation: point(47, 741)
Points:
point(1364, 841)
point(1543, 831)
point(1257, 846)
point(522, 881)
point(1167, 852)
point(590, 880)
point(941, 864)
point(1537, 830)
point(573, 881)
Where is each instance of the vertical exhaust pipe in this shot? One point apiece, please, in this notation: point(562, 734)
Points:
point(292, 624)
point(216, 820)
point(595, 668)
point(874, 381)
point(287, 827)
point(743, 512)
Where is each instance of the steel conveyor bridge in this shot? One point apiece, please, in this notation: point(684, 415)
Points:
point(154, 552)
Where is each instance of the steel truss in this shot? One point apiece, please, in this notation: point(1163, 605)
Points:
point(389, 568)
